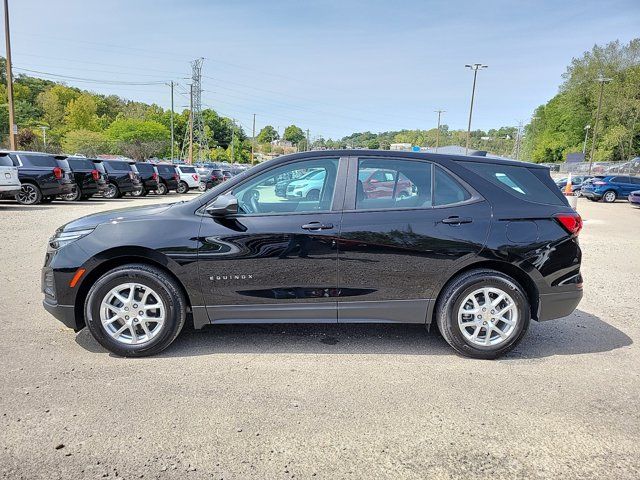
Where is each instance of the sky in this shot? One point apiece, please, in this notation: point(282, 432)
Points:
point(332, 66)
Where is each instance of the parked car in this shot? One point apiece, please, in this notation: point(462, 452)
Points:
point(481, 247)
point(227, 174)
point(576, 184)
point(609, 188)
point(89, 180)
point(168, 178)
point(122, 177)
point(634, 198)
point(189, 178)
point(383, 183)
point(9, 181)
point(215, 177)
point(307, 186)
point(149, 179)
point(43, 176)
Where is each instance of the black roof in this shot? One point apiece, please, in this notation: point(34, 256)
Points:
point(406, 154)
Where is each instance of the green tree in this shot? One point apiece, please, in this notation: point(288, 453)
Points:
point(81, 113)
point(138, 139)
point(293, 134)
point(85, 142)
point(267, 135)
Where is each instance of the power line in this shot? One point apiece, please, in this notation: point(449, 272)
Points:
point(90, 80)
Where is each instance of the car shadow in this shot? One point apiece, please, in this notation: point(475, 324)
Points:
point(579, 333)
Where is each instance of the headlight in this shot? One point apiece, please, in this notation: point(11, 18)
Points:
point(60, 239)
point(301, 185)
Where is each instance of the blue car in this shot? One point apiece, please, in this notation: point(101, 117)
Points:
point(609, 188)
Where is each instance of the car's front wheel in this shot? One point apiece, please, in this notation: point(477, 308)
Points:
point(483, 313)
point(135, 310)
point(182, 187)
point(29, 194)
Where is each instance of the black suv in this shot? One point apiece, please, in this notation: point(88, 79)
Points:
point(168, 178)
point(477, 246)
point(121, 177)
point(149, 179)
point(89, 180)
point(43, 176)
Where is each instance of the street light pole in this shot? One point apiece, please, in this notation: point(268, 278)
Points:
point(586, 134)
point(253, 139)
point(439, 112)
point(602, 81)
point(44, 136)
point(475, 67)
point(172, 135)
point(7, 36)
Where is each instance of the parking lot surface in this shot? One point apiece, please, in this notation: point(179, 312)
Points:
point(322, 401)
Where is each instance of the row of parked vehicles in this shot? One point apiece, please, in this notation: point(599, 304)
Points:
point(605, 188)
point(34, 177)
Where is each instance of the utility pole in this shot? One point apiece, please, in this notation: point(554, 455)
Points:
point(253, 139)
point(172, 140)
point(191, 123)
point(308, 145)
point(518, 140)
point(475, 67)
point(584, 145)
point(439, 112)
point(12, 125)
point(602, 81)
point(233, 136)
point(44, 136)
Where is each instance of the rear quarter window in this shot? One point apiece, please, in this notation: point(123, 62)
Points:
point(187, 169)
point(518, 181)
point(117, 166)
point(165, 169)
point(5, 161)
point(145, 168)
point(39, 161)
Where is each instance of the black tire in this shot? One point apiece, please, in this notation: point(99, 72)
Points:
point(609, 196)
point(29, 194)
point(74, 196)
point(182, 187)
point(162, 189)
point(112, 191)
point(313, 195)
point(457, 290)
point(166, 287)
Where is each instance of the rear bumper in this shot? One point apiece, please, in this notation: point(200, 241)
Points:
point(590, 194)
point(9, 190)
point(558, 305)
point(64, 313)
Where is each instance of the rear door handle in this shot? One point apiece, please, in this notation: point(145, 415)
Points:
point(457, 220)
point(317, 226)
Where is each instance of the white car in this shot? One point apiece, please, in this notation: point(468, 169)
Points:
point(9, 181)
point(189, 178)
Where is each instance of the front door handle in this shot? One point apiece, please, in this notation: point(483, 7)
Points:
point(457, 220)
point(317, 226)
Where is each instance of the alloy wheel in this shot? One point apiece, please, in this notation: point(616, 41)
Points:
point(28, 194)
point(182, 187)
point(132, 313)
point(110, 192)
point(610, 197)
point(488, 317)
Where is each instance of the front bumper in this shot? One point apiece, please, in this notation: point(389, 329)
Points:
point(634, 200)
point(65, 313)
point(558, 305)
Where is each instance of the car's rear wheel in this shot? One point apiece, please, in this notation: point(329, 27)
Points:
point(182, 187)
point(135, 310)
point(483, 313)
point(74, 196)
point(162, 189)
point(29, 194)
point(609, 196)
point(112, 191)
point(139, 192)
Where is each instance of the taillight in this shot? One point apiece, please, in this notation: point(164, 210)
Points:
point(195, 176)
point(95, 174)
point(154, 176)
point(572, 222)
point(599, 183)
point(176, 176)
point(57, 172)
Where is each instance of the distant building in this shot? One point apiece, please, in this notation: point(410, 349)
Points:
point(400, 146)
point(282, 143)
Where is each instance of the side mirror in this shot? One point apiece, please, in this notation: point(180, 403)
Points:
point(223, 205)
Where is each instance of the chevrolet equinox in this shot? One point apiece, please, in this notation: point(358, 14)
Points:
point(477, 246)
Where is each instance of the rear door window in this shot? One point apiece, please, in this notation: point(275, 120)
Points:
point(165, 169)
point(145, 168)
point(5, 161)
point(518, 181)
point(447, 190)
